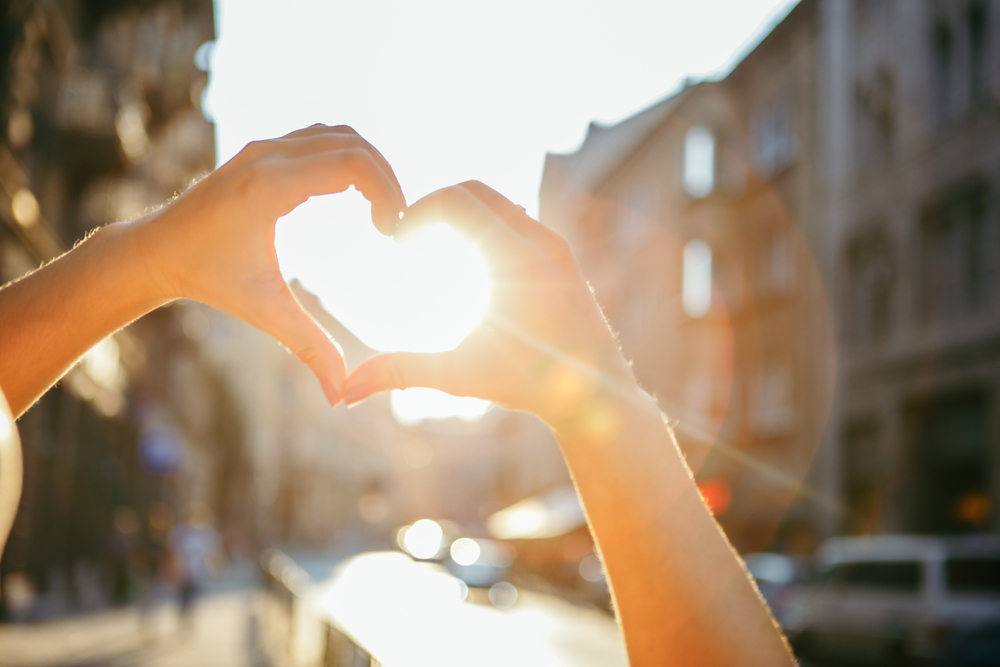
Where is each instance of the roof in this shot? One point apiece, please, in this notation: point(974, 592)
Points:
point(605, 147)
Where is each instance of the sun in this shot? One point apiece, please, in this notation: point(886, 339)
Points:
point(442, 291)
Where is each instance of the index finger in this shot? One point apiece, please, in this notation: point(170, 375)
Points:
point(462, 210)
point(297, 179)
point(318, 138)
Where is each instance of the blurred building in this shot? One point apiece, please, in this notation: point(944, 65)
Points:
point(797, 257)
point(912, 93)
point(684, 219)
point(101, 120)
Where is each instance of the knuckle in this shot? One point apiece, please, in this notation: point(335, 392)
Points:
point(356, 158)
point(253, 149)
point(344, 129)
point(309, 355)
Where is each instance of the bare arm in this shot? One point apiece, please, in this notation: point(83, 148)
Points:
point(681, 593)
point(213, 244)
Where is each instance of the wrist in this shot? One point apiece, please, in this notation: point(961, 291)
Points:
point(599, 415)
point(143, 241)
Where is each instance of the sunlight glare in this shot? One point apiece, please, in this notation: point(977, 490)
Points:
point(443, 288)
point(411, 406)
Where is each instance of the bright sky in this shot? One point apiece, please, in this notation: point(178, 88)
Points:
point(447, 90)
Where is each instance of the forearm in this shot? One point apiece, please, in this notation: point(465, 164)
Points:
point(681, 594)
point(50, 318)
point(11, 468)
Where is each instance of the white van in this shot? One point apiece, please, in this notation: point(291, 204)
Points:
point(892, 599)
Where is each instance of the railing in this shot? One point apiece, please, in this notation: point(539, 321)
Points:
point(292, 634)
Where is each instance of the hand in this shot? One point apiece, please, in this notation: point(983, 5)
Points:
point(543, 345)
point(215, 243)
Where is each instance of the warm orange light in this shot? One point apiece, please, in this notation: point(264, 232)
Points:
point(716, 494)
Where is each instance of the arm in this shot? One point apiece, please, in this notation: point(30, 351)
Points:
point(681, 593)
point(214, 244)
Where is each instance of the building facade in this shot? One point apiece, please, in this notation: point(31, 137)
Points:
point(832, 369)
point(914, 257)
point(101, 121)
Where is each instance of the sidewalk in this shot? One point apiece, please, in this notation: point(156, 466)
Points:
point(223, 634)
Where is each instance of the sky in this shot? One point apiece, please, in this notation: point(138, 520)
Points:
point(447, 90)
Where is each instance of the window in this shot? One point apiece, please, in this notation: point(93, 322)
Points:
point(973, 575)
point(944, 62)
point(696, 289)
point(979, 52)
point(774, 141)
point(954, 257)
point(875, 113)
point(869, 262)
point(899, 576)
point(699, 161)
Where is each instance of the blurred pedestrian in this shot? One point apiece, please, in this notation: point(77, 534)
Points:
point(156, 567)
point(194, 547)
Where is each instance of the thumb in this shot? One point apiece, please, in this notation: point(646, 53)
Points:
point(284, 318)
point(400, 370)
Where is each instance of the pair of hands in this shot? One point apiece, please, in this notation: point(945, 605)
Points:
point(542, 347)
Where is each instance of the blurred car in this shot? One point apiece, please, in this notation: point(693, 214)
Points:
point(777, 577)
point(480, 563)
point(898, 599)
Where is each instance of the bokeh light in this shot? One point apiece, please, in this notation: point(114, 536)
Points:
point(465, 551)
point(423, 539)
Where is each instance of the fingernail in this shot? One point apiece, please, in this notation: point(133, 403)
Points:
point(332, 396)
point(356, 394)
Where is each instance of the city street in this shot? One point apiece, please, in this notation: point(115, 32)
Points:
point(223, 634)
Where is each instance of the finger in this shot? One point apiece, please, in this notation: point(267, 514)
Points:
point(297, 179)
point(400, 370)
point(282, 316)
point(465, 213)
point(322, 138)
point(511, 213)
point(320, 128)
point(386, 210)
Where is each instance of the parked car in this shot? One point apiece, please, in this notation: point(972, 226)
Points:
point(887, 600)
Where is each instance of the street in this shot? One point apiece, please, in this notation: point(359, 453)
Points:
point(223, 634)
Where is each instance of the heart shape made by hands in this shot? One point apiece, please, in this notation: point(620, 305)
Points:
point(424, 294)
